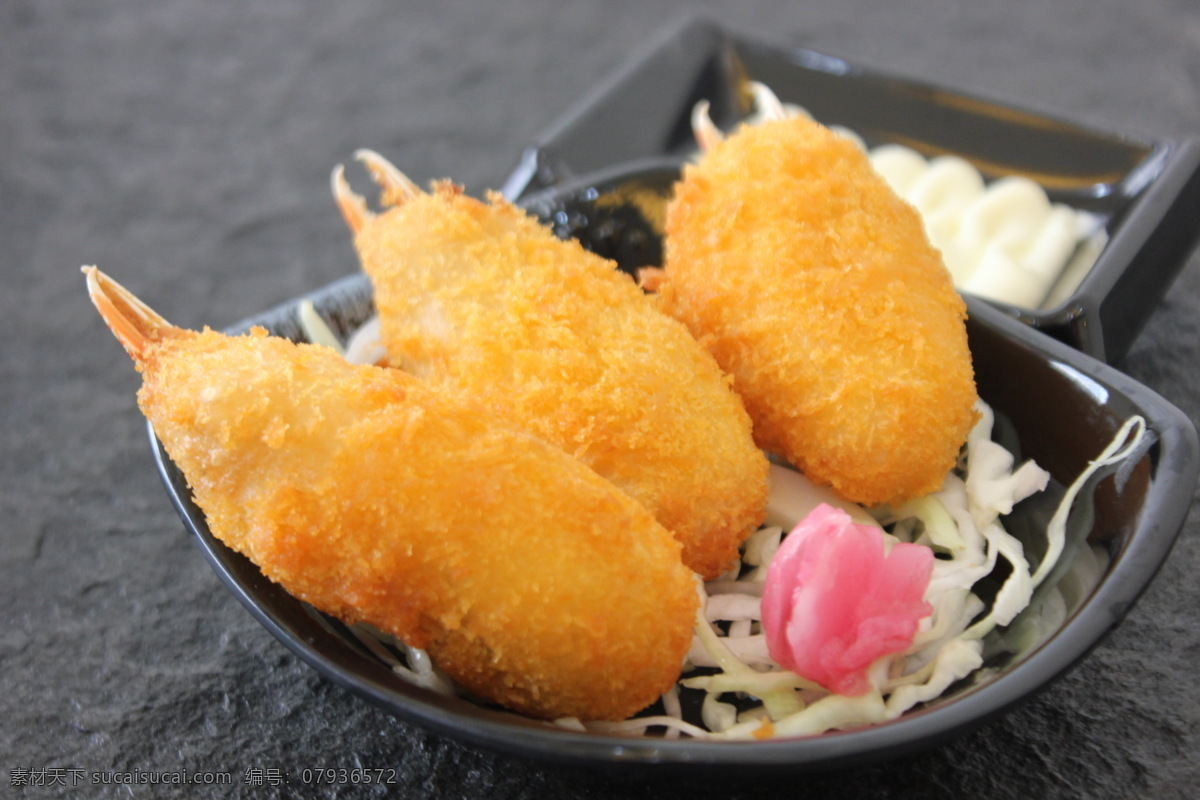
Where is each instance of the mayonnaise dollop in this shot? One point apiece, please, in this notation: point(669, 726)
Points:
point(1003, 241)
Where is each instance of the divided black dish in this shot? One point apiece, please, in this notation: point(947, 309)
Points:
point(1146, 191)
point(1058, 406)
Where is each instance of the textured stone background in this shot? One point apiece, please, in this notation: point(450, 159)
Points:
point(185, 146)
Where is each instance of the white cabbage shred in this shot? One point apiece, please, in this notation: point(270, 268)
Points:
point(963, 524)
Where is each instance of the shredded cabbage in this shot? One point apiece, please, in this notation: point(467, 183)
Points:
point(748, 696)
point(315, 328)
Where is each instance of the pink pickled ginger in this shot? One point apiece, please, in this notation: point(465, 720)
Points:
point(836, 599)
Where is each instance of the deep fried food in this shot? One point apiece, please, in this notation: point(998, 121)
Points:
point(815, 287)
point(482, 298)
point(529, 578)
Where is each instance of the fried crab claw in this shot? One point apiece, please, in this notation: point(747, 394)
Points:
point(395, 188)
point(767, 106)
point(134, 323)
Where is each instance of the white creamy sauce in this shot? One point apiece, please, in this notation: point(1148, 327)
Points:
point(1003, 241)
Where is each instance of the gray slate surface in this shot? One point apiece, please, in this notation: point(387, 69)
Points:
point(185, 147)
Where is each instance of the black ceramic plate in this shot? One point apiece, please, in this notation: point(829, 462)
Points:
point(1057, 406)
point(1146, 192)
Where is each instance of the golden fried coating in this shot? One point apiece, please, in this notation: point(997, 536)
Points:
point(530, 579)
point(816, 288)
point(482, 298)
